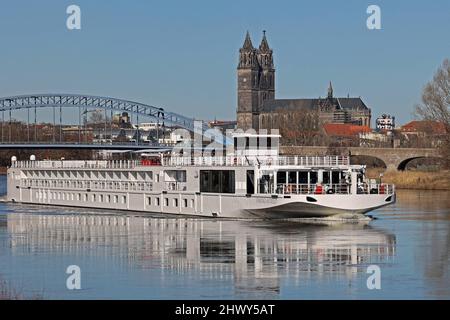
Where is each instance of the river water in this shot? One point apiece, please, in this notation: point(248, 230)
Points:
point(123, 256)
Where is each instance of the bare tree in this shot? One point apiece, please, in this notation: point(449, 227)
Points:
point(436, 103)
point(97, 116)
point(300, 127)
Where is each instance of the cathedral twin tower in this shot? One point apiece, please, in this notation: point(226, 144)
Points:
point(256, 81)
point(258, 109)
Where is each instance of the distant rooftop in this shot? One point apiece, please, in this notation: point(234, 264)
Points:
point(311, 104)
point(428, 126)
point(344, 130)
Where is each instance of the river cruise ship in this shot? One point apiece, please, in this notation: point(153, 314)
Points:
point(251, 183)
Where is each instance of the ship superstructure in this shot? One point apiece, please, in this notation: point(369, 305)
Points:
point(249, 183)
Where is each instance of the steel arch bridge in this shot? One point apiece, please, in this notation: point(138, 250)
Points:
point(87, 101)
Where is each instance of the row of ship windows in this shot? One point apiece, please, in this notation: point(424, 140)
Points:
point(156, 201)
point(81, 197)
point(108, 198)
point(88, 176)
point(113, 185)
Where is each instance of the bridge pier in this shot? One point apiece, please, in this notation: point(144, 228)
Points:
point(391, 167)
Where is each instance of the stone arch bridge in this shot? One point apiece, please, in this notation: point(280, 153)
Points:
point(394, 158)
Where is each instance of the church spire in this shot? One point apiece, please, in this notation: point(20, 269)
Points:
point(264, 46)
point(330, 91)
point(248, 42)
point(247, 54)
point(265, 54)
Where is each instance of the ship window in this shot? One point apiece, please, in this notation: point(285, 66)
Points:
point(217, 181)
point(313, 177)
point(302, 177)
point(336, 176)
point(250, 182)
point(281, 177)
point(326, 177)
point(292, 176)
point(175, 175)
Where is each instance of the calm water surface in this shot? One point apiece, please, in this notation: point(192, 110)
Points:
point(134, 257)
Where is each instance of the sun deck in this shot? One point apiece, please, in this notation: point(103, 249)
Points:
point(229, 161)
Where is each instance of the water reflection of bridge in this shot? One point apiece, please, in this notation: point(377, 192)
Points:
point(255, 255)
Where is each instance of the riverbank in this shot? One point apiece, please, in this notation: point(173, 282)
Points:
point(417, 180)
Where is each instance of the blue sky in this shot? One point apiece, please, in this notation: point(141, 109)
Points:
point(182, 55)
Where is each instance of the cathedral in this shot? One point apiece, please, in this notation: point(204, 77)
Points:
point(257, 107)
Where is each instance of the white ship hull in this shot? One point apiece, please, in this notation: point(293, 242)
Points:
point(239, 207)
point(226, 187)
point(326, 206)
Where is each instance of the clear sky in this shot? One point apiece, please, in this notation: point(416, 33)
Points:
point(182, 55)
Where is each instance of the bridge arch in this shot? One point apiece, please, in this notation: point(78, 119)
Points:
point(404, 163)
point(369, 160)
point(396, 158)
point(88, 101)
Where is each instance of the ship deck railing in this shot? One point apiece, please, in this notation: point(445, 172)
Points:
point(76, 164)
point(228, 161)
point(317, 189)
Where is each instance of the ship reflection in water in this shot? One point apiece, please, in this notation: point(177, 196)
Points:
point(254, 258)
